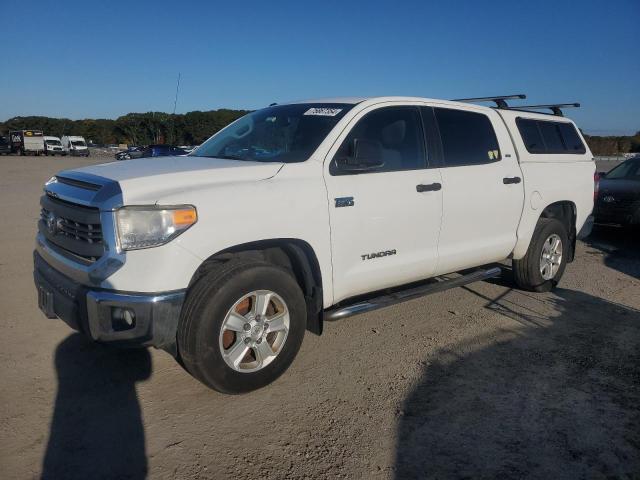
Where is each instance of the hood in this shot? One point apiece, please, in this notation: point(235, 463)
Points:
point(147, 180)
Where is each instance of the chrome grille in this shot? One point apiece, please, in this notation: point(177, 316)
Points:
point(86, 232)
point(73, 229)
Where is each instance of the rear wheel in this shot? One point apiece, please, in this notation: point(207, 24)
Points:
point(543, 265)
point(242, 326)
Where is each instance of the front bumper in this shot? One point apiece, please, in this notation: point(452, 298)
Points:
point(99, 314)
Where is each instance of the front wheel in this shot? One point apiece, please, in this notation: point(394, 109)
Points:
point(543, 265)
point(242, 325)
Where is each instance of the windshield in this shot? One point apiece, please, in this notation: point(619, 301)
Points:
point(78, 143)
point(629, 170)
point(282, 133)
point(53, 142)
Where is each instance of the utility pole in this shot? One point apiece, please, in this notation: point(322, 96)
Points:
point(175, 103)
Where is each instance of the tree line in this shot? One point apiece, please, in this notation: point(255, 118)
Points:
point(134, 128)
point(195, 127)
point(614, 145)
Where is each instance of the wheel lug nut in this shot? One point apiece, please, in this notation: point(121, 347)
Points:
point(259, 341)
point(266, 326)
point(247, 341)
point(247, 326)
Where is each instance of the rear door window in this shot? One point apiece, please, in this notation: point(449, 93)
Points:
point(467, 138)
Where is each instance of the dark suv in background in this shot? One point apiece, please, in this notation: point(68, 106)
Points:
point(618, 200)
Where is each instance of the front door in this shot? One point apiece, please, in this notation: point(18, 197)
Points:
point(386, 207)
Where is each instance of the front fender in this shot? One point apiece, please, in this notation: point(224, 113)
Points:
point(291, 205)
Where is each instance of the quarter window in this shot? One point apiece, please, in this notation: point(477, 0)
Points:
point(531, 136)
point(551, 136)
point(541, 136)
point(572, 141)
point(392, 135)
point(468, 138)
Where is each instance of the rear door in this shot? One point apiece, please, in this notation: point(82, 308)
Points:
point(384, 222)
point(482, 188)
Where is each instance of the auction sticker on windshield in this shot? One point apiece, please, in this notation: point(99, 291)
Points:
point(324, 112)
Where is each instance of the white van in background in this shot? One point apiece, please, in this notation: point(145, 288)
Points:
point(74, 145)
point(53, 146)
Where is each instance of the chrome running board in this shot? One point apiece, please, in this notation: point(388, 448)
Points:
point(409, 294)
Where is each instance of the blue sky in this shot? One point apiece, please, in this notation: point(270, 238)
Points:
point(105, 59)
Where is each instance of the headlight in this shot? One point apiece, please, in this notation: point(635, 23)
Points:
point(144, 227)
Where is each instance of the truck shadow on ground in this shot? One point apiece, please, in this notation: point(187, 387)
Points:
point(556, 397)
point(97, 428)
point(620, 246)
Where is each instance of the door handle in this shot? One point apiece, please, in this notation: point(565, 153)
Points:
point(509, 180)
point(432, 187)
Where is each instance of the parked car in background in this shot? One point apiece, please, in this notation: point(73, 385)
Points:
point(26, 142)
point(154, 151)
point(74, 145)
point(129, 153)
point(618, 198)
point(5, 146)
point(53, 146)
point(188, 148)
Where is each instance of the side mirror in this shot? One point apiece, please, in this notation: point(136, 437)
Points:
point(367, 156)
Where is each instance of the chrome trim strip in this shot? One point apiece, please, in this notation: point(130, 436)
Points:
point(409, 294)
point(102, 296)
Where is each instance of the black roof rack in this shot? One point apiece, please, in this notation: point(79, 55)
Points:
point(501, 101)
point(554, 107)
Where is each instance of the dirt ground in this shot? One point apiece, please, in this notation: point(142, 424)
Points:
point(480, 381)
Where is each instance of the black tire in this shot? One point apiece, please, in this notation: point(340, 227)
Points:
point(526, 271)
point(203, 313)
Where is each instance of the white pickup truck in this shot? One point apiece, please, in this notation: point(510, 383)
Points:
point(305, 212)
